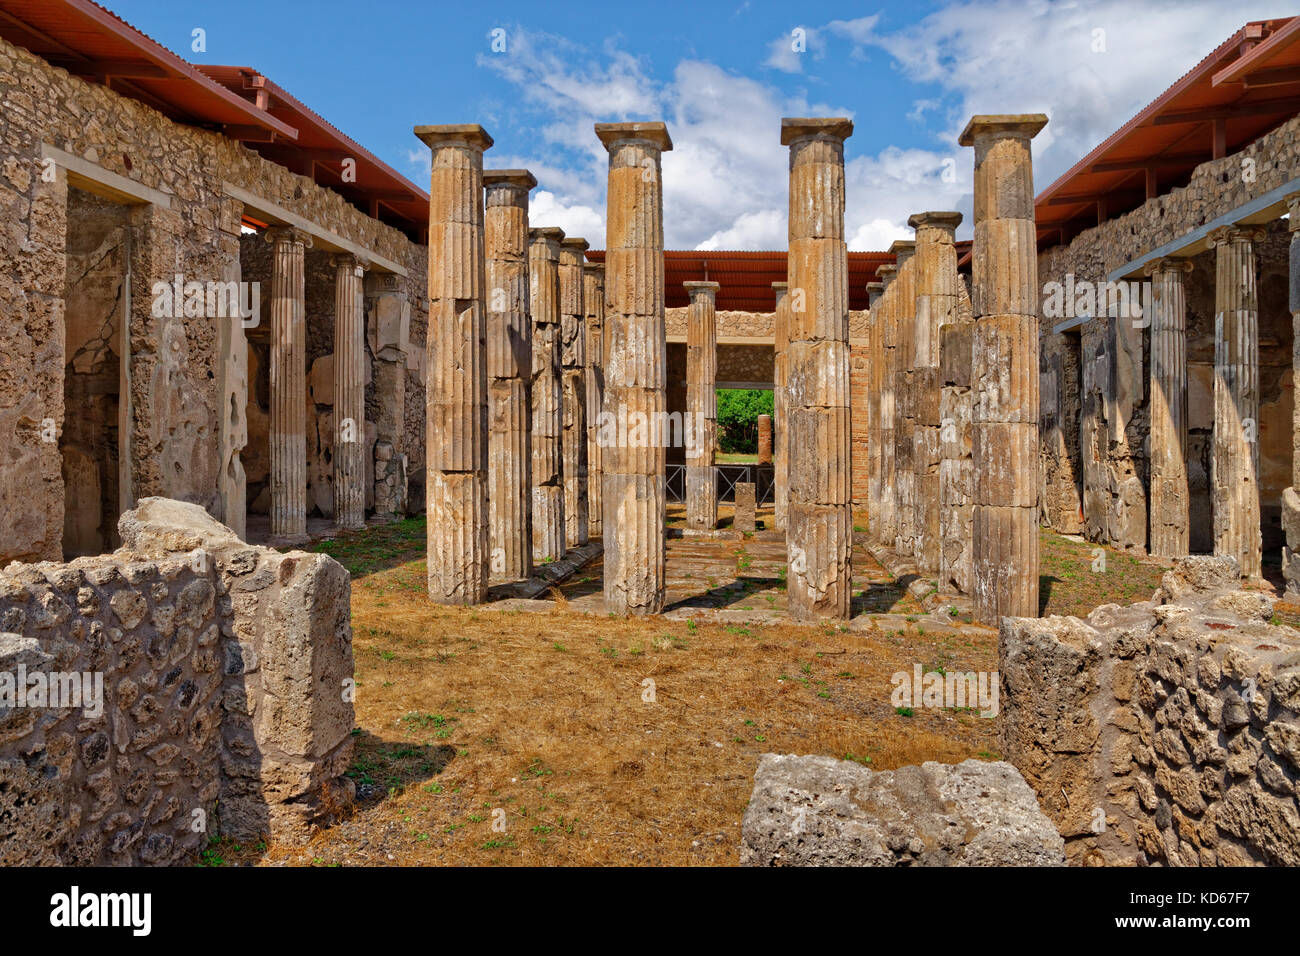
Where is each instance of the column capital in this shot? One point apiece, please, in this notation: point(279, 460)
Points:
point(509, 179)
point(1169, 264)
point(548, 237)
point(383, 283)
point(574, 246)
point(874, 291)
point(278, 234)
point(888, 272)
point(462, 135)
point(694, 289)
point(616, 134)
point(1235, 233)
point(1002, 126)
point(948, 221)
point(793, 129)
point(901, 250)
point(349, 260)
point(596, 269)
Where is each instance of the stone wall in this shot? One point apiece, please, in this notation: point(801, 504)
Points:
point(178, 443)
point(1167, 732)
point(226, 695)
point(1103, 389)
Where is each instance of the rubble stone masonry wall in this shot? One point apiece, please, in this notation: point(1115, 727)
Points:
point(1167, 732)
point(226, 708)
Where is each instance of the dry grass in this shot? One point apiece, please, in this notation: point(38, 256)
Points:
point(552, 718)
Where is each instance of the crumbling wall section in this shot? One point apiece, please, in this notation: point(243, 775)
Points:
point(226, 709)
point(1166, 732)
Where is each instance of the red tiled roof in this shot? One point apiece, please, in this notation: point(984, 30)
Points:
point(1248, 85)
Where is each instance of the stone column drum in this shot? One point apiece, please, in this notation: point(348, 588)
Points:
point(1004, 367)
point(780, 456)
point(593, 300)
point(701, 426)
point(819, 533)
point(1170, 531)
point(349, 393)
point(936, 305)
point(1234, 466)
point(956, 478)
point(635, 365)
point(904, 317)
point(456, 368)
point(388, 321)
point(573, 373)
point(547, 394)
point(509, 369)
point(288, 375)
point(884, 523)
point(765, 439)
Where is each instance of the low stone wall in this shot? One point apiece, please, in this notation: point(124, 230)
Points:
point(1166, 732)
point(224, 695)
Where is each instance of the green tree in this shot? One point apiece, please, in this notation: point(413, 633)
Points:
point(738, 411)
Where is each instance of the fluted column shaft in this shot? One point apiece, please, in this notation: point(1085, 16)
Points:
point(593, 299)
point(1004, 368)
point(871, 382)
point(1170, 532)
point(288, 375)
point(1291, 495)
point(1235, 462)
point(509, 367)
point(936, 305)
point(573, 363)
point(701, 406)
point(819, 531)
point(904, 414)
point(636, 366)
point(547, 395)
point(884, 524)
point(349, 393)
point(780, 408)
point(456, 380)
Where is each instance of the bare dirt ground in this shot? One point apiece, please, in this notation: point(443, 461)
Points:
point(549, 736)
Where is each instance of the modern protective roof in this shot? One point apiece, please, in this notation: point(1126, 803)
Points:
point(1249, 85)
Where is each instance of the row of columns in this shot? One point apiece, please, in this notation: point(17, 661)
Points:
point(953, 413)
point(288, 381)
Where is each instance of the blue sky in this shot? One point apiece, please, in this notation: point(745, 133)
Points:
point(721, 75)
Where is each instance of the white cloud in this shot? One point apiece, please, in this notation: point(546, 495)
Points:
point(546, 209)
point(765, 229)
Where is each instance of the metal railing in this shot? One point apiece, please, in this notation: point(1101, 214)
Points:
point(762, 476)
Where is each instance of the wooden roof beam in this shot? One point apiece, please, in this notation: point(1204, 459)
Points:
point(1286, 104)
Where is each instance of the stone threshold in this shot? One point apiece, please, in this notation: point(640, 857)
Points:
point(923, 591)
point(546, 576)
point(726, 534)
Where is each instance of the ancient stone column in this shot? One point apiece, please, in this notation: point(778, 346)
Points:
point(1291, 495)
point(635, 366)
point(904, 316)
point(388, 323)
point(875, 346)
point(573, 365)
point(456, 369)
point(593, 300)
point(936, 305)
point(956, 478)
point(884, 520)
point(1004, 368)
point(547, 394)
point(780, 456)
point(819, 534)
point(509, 369)
point(1170, 532)
point(701, 406)
point(1234, 472)
point(288, 373)
point(349, 392)
point(765, 439)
